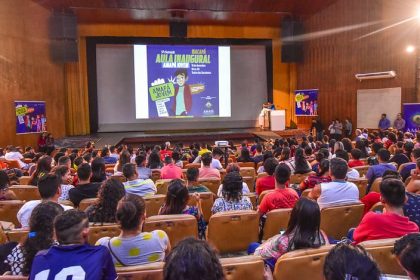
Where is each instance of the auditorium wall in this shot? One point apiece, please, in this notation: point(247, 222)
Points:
point(27, 72)
point(332, 61)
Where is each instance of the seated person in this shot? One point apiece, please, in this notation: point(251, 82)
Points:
point(258, 156)
point(232, 198)
point(143, 171)
point(105, 154)
point(322, 176)
point(82, 261)
point(84, 189)
point(376, 171)
point(233, 167)
point(414, 183)
point(299, 164)
point(217, 154)
point(181, 263)
point(352, 174)
point(134, 185)
point(245, 156)
point(373, 159)
point(170, 170)
point(64, 173)
point(302, 232)
point(5, 193)
point(337, 192)
point(267, 182)
point(407, 251)
point(206, 171)
point(390, 224)
point(193, 185)
point(132, 246)
point(349, 262)
point(104, 208)
point(281, 197)
point(400, 155)
point(176, 202)
point(41, 237)
point(406, 170)
point(355, 161)
point(49, 190)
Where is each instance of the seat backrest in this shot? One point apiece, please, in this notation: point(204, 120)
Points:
point(361, 186)
point(85, 203)
point(259, 164)
point(207, 200)
point(247, 164)
point(377, 207)
point(233, 231)
point(152, 271)
point(3, 236)
point(10, 277)
point(26, 192)
point(376, 185)
point(402, 166)
point(302, 264)
point(276, 221)
point(247, 172)
point(362, 170)
point(153, 204)
point(262, 174)
point(381, 251)
point(9, 210)
point(211, 183)
point(120, 178)
point(97, 232)
point(17, 235)
point(156, 174)
point(250, 182)
point(299, 178)
point(162, 186)
point(306, 193)
point(110, 170)
point(336, 221)
point(24, 180)
point(253, 198)
point(177, 227)
point(264, 193)
point(13, 164)
point(191, 165)
point(222, 174)
point(239, 268)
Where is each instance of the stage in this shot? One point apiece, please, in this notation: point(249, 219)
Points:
point(186, 137)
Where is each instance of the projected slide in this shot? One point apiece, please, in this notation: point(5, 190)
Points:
point(182, 81)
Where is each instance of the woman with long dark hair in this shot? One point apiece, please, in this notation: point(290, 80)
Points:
point(320, 177)
point(125, 157)
point(43, 167)
point(302, 232)
point(154, 161)
point(40, 237)
point(103, 211)
point(300, 164)
point(176, 203)
point(245, 156)
point(98, 170)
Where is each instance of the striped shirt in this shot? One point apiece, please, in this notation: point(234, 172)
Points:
point(140, 187)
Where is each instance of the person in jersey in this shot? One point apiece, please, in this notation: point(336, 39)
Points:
point(73, 258)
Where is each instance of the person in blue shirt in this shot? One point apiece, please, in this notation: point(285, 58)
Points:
point(105, 154)
point(377, 171)
point(73, 258)
point(384, 122)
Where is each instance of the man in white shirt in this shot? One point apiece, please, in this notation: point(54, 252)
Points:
point(352, 174)
point(13, 154)
point(337, 192)
point(49, 189)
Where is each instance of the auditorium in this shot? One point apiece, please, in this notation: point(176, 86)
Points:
point(210, 140)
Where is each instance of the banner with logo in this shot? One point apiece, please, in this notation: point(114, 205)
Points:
point(411, 113)
point(306, 102)
point(30, 117)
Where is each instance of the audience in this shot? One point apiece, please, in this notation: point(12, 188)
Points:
point(143, 171)
point(232, 198)
point(132, 246)
point(390, 224)
point(233, 167)
point(376, 171)
point(355, 161)
point(5, 193)
point(106, 155)
point(103, 210)
point(82, 261)
point(43, 167)
point(352, 174)
point(267, 182)
point(135, 185)
point(206, 171)
point(40, 238)
point(193, 185)
point(84, 189)
point(349, 262)
point(12, 153)
point(49, 190)
point(170, 170)
point(407, 250)
point(322, 176)
point(337, 192)
point(192, 259)
point(281, 197)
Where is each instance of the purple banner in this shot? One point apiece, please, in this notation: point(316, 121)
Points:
point(306, 102)
point(30, 117)
point(412, 117)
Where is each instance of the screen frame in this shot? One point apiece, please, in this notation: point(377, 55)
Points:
point(92, 42)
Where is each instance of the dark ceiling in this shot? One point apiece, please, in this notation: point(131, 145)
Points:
point(236, 12)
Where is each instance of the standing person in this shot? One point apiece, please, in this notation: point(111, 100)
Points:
point(333, 131)
point(82, 261)
point(338, 129)
point(348, 128)
point(384, 123)
point(319, 128)
point(399, 123)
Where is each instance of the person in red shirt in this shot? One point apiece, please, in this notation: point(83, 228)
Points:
point(356, 154)
point(267, 182)
point(390, 224)
point(282, 197)
point(170, 170)
point(321, 177)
